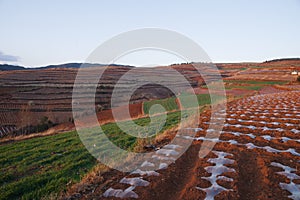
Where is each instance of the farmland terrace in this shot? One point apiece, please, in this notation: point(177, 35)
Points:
point(27, 96)
point(255, 157)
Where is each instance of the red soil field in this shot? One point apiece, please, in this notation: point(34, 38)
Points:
point(233, 92)
point(255, 157)
point(136, 110)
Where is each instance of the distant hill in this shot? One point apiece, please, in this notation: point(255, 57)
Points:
point(282, 60)
point(66, 65)
point(6, 67)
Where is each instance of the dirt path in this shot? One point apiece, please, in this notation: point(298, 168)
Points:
point(175, 178)
point(249, 181)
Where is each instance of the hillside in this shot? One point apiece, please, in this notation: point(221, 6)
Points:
point(6, 67)
point(30, 95)
point(27, 96)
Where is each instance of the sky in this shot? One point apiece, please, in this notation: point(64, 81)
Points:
point(37, 33)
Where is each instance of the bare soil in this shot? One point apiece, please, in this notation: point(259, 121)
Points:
point(253, 174)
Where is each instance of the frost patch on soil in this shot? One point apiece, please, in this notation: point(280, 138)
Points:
point(207, 139)
point(164, 153)
point(295, 131)
point(172, 146)
point(195, 129)
point(135, 181)
point(128, 193)
point(273, 150)
point(162, 166)
point(147, 164)
point(216, 171)
point(142, 173)
point(167, 152)
point(163, 157)
point(293, 188)
point(267, 137)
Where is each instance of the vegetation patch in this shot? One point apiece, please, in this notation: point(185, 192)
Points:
point(39, 167)
point(169, 104)
point(188, 100)
point(33, 168)
point(250, 84)
point(256, 82)
point(245, 87)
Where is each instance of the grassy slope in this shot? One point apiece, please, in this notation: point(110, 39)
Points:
point(250, 84)
point(247, 84)
point(187, 99)
point(255, 82)
point(34, 168)
point(169, 104)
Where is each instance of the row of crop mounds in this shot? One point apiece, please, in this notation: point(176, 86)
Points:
point(266, 74)
point(266, 130)
point(255, 156)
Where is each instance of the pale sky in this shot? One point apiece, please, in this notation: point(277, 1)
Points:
point(37, 33)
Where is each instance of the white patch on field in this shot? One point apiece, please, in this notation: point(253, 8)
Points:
point(147, 164)
point(128, 193)
point(288, 172)
point(163, 157)
point(142, 173)
point(267, 137)
point(167, 152)
point(172, 146)
point(216, 172)
point(163, 166)
point(137, 181)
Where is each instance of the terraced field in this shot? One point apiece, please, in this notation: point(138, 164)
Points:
point(29, 95)
point(261, 134)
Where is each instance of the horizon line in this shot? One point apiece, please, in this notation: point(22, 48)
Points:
point(126, 64)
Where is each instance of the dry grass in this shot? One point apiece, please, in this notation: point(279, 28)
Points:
point(52, 196)
point(89, 182)
point(167, 135)
point(62, 128)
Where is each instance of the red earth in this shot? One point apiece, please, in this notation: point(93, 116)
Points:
point(255, 157)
